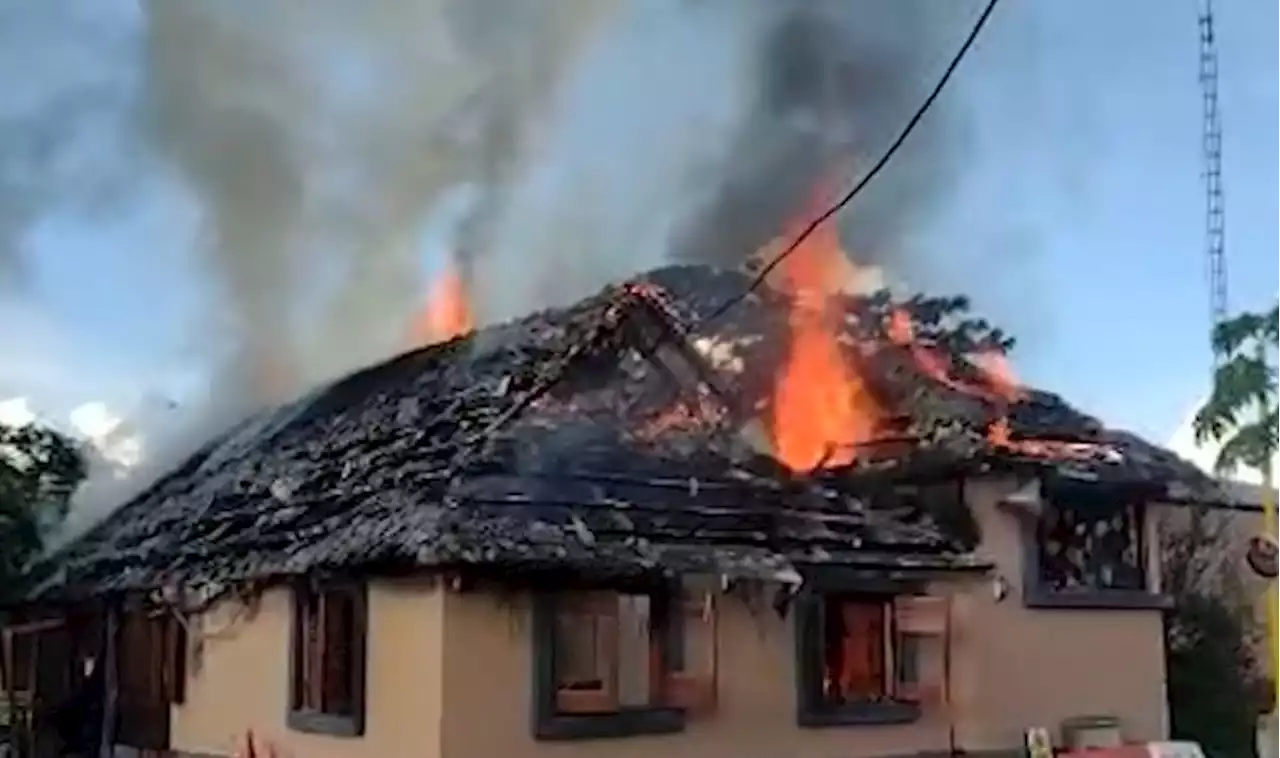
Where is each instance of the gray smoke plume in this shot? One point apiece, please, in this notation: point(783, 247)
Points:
point(696, 130)
point(590, 139)
point(65, 118)
point(834, 81)
point(318, 136)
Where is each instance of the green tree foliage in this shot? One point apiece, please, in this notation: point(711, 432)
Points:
point(39, 470)
point(1241, 411)
point(1214, 686)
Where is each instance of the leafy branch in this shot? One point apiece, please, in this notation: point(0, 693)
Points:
point(1241, 410)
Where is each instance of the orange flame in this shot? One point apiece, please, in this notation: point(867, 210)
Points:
point(998, 375)
point(822, 410)
point(998, 386)
point(447, 313)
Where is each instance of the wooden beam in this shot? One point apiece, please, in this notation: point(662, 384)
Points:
point(111, 680)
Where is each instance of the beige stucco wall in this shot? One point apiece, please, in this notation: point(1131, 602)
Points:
point(487, 709)
point(1036, 667)
point(242, 679)
point(449, 674)
point(1013, 667)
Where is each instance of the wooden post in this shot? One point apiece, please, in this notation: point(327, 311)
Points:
point(110, 681)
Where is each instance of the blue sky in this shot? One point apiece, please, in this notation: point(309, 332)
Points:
point(1077, 222)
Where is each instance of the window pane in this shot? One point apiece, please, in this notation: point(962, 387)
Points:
point(854, 650)
point(1091, 547)
point(906, 659)
point(577, 645)
point(607, 652)
point(339, 652)
point(310, 639)
point(634, 669)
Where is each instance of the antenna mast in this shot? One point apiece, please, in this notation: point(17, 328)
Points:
point(1211, 148)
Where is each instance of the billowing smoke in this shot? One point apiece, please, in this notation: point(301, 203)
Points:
point(65, 118)
point(583, 140)
point(695, 130)
point(833, 83)
point(318, 136)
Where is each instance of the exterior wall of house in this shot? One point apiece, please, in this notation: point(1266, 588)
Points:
point(241, 679)
point(488, 684)
point(449, 675)
point(1013, 667)
point(1039, 666)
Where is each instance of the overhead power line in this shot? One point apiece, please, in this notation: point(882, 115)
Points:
point(866, 179)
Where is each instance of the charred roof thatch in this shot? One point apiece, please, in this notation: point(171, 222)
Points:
point(944, 426)
point(561, 440)
point(600, 439)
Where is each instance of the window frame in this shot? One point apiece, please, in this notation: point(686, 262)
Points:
point(548, 723)
point(809, 630)
point(1038, 595)
point(309, 720)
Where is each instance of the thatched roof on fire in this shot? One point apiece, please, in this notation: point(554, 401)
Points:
point(939, 425)
point(560, 441)
point(600, 438)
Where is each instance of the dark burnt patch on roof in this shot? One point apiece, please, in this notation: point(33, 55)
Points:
point(938, 426)
point(605, 438)
point(561, 441)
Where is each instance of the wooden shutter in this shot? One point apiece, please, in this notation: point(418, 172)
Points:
point(923, 628)
point(308, 647)
point(174, 651)
point(693, 685)
point(143, 702)
point(600, 609)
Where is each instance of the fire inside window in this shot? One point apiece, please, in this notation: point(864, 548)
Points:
point(1091, 548)
point(862, 659)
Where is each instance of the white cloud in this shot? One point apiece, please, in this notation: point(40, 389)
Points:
point(16, 411)
point(108, 432)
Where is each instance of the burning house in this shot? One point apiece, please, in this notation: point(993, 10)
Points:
point(629, 523)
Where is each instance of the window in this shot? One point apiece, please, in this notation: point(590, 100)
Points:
point(328, 676)
point(868, 658)
point(613, 664)
point(1089, 554)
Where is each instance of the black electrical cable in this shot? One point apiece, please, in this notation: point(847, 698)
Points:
point(866, 179)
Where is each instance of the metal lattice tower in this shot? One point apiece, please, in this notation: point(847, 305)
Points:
point(1211, 146)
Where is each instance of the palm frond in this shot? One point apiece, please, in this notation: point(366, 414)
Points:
point(1235, 333)
point(1252, 445)
point(1242, 386)
point(1271, 326)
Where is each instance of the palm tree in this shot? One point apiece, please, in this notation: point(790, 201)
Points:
point(1241, 415)
point(1241, 411)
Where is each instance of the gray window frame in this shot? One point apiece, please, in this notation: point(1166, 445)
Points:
point(548, 724)
point(315, 722)
point(808, 627)
point(1038, 596)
